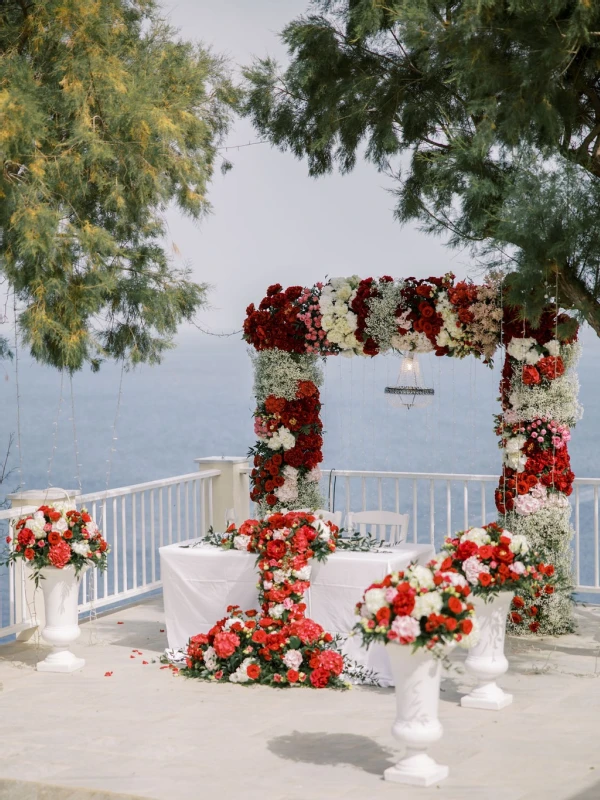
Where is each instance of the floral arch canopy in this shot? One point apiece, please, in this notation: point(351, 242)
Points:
point(293, 328)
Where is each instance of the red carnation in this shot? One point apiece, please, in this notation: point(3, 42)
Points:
point(225, 644)
point(253, 671)
point(403, 603)
point(320, 678)
point(276, 548)
point(25, 537)
point(466, 550)
point(466, 626)
point(455, 605)
point(485, 578)
point(551, 367)
point(59, 554)
point(292, 675)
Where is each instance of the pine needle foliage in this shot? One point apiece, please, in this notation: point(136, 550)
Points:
point(486, 112)
point(106, 118)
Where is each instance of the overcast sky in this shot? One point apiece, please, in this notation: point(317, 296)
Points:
point(270, 221)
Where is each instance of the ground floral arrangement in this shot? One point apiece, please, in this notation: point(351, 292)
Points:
point(292, 328)
point(425, 607)
point(494, 560)
point(278, 646)
point(57, 535)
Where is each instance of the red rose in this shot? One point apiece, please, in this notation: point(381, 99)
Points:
point(53, 537)
point(320, 678)
point(225, 644)
point(503, 554)
point(485, 551)
point(548, 589)
point(518, 602)
point(485, 578)
point(455, 605)
point(259, 636)
point(466, 550)
point(534, 626)
point(383, 615)
point(516, 618)
point(29, 554)
point(450, 623)
point(531, 376)
point(68, 535)
point(550, 570)
point(292, 675)
point(271, 499)
point(55, 516)
point(59, 554)
point(253, 671)
point(218, 674)
point(466, 626)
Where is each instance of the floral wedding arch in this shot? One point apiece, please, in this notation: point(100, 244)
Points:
point(293, 328)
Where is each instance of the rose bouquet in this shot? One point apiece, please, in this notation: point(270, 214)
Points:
point(494, 560)
point(244, 648)
point(426, 607)
point(58, 536)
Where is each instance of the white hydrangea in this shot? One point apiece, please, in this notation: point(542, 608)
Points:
point(512, 456)
point(519, 544)
point(553, 347)
point(338, 321)
point(303, 574)
point(472, 567)
point(282, 438)
point(426, 604)
point(374, 600)
point(241, 541)
point(281, 575)
point(277, 611)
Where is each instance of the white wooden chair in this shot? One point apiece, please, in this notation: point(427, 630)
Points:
point(386, 526)
point(327, 516)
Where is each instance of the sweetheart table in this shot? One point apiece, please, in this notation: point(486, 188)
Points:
point(200, 581)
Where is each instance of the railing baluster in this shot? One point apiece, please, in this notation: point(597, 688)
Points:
point(144, 553)
point(577, 565)
point(134, 537)
point(448, 509)
point(347, 490)
point(364, 494)
point(596, 544)
point(125, 553)
point(116, 541)
point(105, 533)
point(178, 512)
point(466, 504)
point(160, 517)
point(187, 510)
point(415, 511)
point(195, 505)
point(152, 536)
point(380, 494)
point(170, 505)
point(397, 492)
point(210, 504)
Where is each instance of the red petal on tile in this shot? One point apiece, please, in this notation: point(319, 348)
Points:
point(107, 674)
point(120, 623)
point(145, 662)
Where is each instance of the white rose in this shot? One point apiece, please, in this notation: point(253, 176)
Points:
point(374, 600)
point(277, 611)
point(515, 443)
point(280, 575)
point(81, 548)
point(518, 567)
point(344, 292)
point(553, 347)
point(210, 658)
point(426, 604)
point(61, 526)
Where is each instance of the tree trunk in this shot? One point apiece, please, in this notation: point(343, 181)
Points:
point(574, 293)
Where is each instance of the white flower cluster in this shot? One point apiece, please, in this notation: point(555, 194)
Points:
point(289, 491)
point(557, 400)
point(412, 342)
point(381, 322)
point(283, 438)
point(241, 674)
point(524, 350)
point(277, 372)
point(210, 659)
point(292, 659)
point(452, 332)
point(512, 455)
point(338, 321)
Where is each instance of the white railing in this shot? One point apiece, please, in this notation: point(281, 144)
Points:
point(441, 503)
point(136, 521)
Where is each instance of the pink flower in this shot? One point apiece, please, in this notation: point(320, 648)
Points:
point(59, 554)
point(406, 628)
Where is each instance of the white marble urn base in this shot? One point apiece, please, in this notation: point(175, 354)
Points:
point(417, 680)
point(486, 660)
point(60, 588)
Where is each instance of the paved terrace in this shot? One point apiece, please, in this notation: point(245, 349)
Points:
point(144, 732)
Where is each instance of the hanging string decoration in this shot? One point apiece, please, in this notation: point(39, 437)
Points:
point(292, 328)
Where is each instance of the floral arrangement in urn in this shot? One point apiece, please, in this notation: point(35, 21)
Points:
point(426, 607)
point(58, 535)
point(494, 560)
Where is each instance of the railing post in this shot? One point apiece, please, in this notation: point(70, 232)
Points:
point(231, 489)
point(29, 609)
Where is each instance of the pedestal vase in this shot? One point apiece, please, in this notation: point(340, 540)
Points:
point(486, 660)
point(417, 681)
point(60, 588)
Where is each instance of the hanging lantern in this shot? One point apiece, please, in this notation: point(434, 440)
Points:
point(409, 391)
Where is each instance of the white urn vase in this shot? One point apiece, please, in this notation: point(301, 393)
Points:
point(417, 680)
point(486, 660)
point(60, 588)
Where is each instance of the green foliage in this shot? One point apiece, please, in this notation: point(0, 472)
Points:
point(486, 112)
point(106, 118)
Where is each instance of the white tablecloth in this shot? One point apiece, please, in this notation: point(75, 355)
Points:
point(200, 582)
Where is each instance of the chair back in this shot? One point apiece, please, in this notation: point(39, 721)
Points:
point(386, 526)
